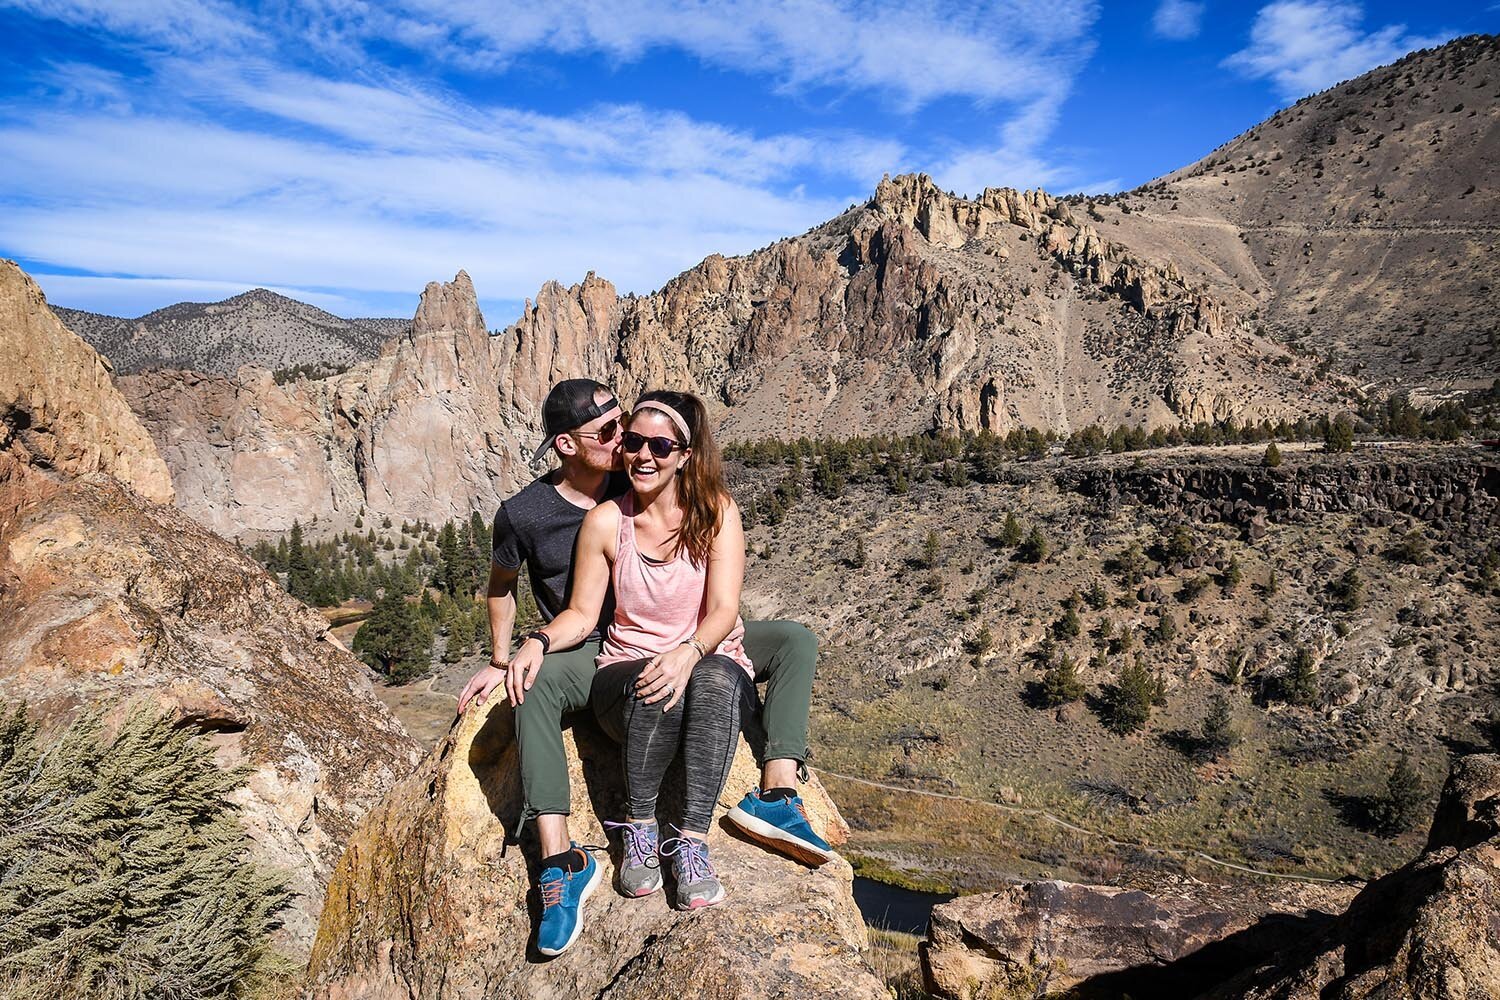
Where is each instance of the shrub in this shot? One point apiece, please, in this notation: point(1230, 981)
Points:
point(1127, 703)
point(126, 870)
point(1219, 735)
point(1299, 685)
point(1398, 808)
point(1060, 683)
point(1180, 546)
point(1272, 457)
point(1069, 626)
point(1412, 549)
point(1193, 588)
point(1233, 575)
point(1010, 532)
point(931, 549)
point(1339, 437)
point(1096, 597)
point(1348, 591)
point(1034, 548)
point(1165, 630)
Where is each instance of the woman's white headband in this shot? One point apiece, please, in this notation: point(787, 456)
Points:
point(658, 405)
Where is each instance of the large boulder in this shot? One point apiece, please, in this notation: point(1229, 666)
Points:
point(429, 902)
point(1428, 931)
point(1050, 938)
point(59, 410)
point(109, 600)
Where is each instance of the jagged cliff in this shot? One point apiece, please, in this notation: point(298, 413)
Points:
point(915, 310)
point(59, 411)
point(108, 598)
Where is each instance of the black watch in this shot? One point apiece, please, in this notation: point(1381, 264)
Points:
point(540, 637)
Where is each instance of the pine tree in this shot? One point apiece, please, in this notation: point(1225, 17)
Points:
point(1127, 703)
point(931, 548)
point(1069, 626)
point(1272, 458)
point(857, 558)
point(451, 564)
point(1060, 683)
point(1339, 436)
point(1010, 532)
point(395, 640)
point(1034, 548)
point(299, 572)
point(126, 871)
point(1300, 683)
point(1400, 806)
point(1219, 735)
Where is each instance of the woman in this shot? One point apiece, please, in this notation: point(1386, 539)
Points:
point(673, 675)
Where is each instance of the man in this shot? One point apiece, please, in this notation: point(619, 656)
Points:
point(538, 527)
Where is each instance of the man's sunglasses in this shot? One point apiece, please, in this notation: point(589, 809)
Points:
point(604, 434)
point(661, 447)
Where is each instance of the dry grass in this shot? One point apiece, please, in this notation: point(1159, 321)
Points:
point(894, 957)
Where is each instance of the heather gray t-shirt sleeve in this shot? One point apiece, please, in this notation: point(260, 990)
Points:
point(505, 549)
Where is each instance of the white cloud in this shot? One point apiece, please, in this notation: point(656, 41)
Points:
point(1305, 46)
point(221, 165)
point(998, 50)
point(185, 25)
point(1178, 19)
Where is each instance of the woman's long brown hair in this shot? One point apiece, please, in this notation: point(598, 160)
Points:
point(700, 485)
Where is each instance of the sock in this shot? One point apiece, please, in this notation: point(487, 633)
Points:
point(777, 794)
point(569, 861)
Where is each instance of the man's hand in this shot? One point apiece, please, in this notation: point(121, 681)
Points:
point(480, 686)
point(523, 668)
point(665, 677)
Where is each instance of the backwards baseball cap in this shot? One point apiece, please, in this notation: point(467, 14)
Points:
point(570, 405)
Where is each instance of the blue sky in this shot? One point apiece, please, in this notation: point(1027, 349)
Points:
point(346, 152)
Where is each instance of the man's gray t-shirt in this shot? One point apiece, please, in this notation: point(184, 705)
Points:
point(539, 528)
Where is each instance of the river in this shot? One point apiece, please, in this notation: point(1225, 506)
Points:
point(895, 908)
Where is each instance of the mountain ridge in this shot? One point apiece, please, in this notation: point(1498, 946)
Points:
point(258, 327)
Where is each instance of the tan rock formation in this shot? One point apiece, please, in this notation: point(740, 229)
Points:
point(108, 599)
point(916, 310)
point(428, 903)
point(1427, 931)
point(1047, 938)
point(59, 410)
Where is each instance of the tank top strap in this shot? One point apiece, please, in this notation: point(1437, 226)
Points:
point(625, 540)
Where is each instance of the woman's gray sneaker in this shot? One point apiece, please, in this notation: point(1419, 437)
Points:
point(640, 868)
point(697, 884)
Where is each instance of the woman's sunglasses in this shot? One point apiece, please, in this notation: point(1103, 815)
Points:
point(661, 447)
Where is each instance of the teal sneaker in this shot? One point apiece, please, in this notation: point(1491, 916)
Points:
point(781, 825)
point(563, 894)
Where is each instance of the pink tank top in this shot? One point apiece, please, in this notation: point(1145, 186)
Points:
point(658, 605)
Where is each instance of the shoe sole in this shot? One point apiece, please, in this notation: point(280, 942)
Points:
point(641, 893)
point(583, 897)
point(698, 904)
point(774, 837)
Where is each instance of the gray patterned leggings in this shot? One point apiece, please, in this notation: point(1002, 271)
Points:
point(704, 726)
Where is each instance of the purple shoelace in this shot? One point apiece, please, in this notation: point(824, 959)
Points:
point(639, 840)
point(696, 864)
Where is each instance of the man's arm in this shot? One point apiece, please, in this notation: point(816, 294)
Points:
point(500, 601)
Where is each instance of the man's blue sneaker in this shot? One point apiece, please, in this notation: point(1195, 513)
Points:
point(781, 825)
point(563, 893)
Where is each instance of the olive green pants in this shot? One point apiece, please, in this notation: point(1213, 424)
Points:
point(785, 655)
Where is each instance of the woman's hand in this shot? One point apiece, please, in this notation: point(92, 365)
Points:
point(480, 685)
point(522, 672)
point(666, 677)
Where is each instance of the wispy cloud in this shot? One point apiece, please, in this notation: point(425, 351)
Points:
point(211, 159)
point(1178, 20)
point(1304, 46)
point(995, 50)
